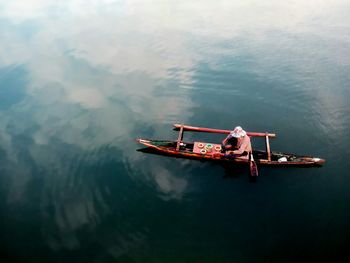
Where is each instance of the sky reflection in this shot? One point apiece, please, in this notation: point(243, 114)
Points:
point(80, 80)
point(96, 69)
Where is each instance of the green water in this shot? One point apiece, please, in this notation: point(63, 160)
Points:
point(80, 80)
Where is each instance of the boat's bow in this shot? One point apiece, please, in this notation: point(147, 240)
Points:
point(318, 161)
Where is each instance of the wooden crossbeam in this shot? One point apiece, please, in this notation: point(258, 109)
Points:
point(210, 130)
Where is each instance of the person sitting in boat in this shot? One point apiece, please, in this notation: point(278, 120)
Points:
point(237, 143)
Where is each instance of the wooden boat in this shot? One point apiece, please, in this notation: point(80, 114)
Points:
point(212, 151)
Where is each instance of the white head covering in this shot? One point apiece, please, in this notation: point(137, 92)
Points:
point(238, 132)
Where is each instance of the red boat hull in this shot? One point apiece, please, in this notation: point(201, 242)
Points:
point(189, 154)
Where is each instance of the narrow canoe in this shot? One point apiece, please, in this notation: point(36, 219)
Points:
point(212, 152)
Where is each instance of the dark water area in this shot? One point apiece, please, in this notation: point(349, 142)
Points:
point(80, 80)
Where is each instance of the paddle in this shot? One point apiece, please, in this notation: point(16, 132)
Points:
point(252, 165)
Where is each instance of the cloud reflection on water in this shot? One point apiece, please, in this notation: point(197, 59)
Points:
point(90, 81)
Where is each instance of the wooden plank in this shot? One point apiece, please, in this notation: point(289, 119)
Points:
point(268, 151)
point(179, 138)
point(210, 130)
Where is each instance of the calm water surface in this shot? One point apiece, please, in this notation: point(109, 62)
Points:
point(79, 80)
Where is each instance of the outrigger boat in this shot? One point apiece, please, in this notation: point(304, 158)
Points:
point(212, 151)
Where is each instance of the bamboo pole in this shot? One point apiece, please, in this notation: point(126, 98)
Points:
point(267, 143)
point(210, 130)
point(179, 138)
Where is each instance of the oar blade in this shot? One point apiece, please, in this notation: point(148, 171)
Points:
point(253, 169)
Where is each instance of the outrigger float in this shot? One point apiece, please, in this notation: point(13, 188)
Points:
point(212, 151)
